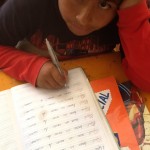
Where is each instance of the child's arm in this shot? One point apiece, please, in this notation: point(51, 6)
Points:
point(34, 69)
point(134, 31)
point(19, 19)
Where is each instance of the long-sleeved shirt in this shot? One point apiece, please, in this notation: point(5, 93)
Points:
point(43, 19)
point(134, 31)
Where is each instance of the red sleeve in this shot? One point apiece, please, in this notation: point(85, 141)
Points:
point(20, 65)
point(134, 32)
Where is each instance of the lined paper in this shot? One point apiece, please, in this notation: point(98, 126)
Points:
point(65, 119)
point(7, 131)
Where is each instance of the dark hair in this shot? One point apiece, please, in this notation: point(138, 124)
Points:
point(2, 2)
point(109, 33)
point(56, 26)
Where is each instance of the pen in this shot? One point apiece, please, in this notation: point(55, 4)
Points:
point(53, 57)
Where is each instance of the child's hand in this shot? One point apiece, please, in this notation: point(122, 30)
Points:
point(128, 3)
point(50, 78)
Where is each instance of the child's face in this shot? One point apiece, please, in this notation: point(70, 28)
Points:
point(85, 16)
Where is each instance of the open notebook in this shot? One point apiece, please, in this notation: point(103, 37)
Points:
point(66, 119)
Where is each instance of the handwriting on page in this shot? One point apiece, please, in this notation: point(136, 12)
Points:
point(59, 120)
point(7, 140)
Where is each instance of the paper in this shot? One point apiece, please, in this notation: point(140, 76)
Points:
point(7, 131)
point(66, 119)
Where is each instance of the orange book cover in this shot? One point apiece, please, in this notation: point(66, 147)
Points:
point(110, 99)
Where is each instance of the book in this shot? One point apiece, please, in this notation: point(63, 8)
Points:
point(138, 113)
point(109, 97)
point(65, 119)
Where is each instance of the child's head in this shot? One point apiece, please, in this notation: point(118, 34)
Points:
point(85, 16)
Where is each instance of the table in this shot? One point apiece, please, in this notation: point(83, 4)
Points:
point(95, 67)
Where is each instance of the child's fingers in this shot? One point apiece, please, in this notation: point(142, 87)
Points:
point(60, 78)
point(49, 77)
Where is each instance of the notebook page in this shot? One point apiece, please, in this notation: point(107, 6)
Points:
point(65, 119)
point(7, 130)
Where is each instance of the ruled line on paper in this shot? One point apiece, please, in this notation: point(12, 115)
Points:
point(7, 134)
point(43, 116)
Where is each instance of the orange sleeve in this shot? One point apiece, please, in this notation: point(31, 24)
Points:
point(20, 65)
point(134, 32)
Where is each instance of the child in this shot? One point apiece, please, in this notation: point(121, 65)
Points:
point(75, 28)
